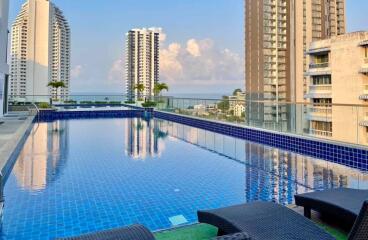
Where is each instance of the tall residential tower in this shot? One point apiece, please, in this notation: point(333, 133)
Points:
point(4, 68)
point(142, 61)
point(40, 51)
point(278, 33)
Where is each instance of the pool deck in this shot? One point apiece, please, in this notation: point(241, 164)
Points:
point(12, 129)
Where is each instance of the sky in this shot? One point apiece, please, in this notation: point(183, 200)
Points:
point(202, 41)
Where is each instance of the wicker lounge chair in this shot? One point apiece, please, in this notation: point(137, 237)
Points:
point(234, 236)
point(266, 220)
point(133, 232)
point(342, 203)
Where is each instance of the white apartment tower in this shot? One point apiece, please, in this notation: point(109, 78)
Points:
point(142, 61)
point(40, 51)
point(4, 68)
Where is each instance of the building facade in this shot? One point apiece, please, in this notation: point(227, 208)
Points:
point(4, 68)
point(338, 75)
point(142, 62)
point(278, 33)
point(40, 51)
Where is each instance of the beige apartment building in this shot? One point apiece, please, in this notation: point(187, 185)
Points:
point(338, 75)
point(277, 35)
point(40, 51)
point(4, 68)
point(142, 61)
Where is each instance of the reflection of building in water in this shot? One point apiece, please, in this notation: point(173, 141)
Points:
point(271, 174)
point(42, 156)
point(142, 138)
point(292, 173)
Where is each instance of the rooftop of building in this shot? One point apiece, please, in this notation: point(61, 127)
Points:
point(359, 36)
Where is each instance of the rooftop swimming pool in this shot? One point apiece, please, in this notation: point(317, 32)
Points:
point(84, 175)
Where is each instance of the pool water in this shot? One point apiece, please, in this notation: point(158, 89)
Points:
point(79, 176)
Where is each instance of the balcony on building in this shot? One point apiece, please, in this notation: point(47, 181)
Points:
point(322, 129)
point(319, 59)
point(364, 69)
point(364, 96)
point(321, 113)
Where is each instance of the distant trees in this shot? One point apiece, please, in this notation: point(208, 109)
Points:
point(140, 88)
point(56, 85)
point(224, 103)
point(236, 91)
point(159, 87)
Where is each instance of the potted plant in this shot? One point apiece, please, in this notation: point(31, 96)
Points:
point(55, 85)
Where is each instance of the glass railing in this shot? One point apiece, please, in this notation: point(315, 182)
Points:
point(335, 122)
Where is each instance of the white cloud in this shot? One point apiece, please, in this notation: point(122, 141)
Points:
point(76, 71)
point(163, 35)
point(116, 72)
point(200, 63)
point(170, 67)
point(193, 48)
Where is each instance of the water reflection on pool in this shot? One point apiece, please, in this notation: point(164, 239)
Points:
point(78, 176)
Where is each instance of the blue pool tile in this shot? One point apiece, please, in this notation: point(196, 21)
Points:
point(106, 172)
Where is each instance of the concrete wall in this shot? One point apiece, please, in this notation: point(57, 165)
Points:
point(38, 45)
point(347, 59)
point(4, 68)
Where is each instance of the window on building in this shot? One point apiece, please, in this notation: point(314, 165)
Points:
point(321, 80)
point(319, 59)
point(366, 52)
point(322, 126)
point(322, 101)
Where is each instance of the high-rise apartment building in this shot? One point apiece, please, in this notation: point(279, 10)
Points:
point(40, 51)
point(338, 77)
point(278, 33)
point(4, 68)
point(142, 62)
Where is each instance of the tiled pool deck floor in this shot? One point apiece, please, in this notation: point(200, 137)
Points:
point(12, 129)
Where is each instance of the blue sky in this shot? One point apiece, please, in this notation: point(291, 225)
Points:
point(210, 30)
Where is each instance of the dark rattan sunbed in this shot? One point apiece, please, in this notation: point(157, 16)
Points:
point(342, 203)
point(266, 220)
point(133, 232)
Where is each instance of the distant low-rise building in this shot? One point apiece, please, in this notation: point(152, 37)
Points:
point(239, 110)
point(338, 74)
point(234, 100)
